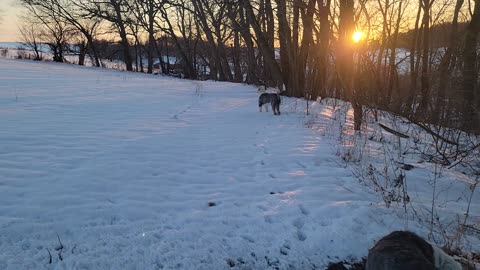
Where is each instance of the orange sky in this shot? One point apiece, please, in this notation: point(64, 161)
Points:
point(9, 23)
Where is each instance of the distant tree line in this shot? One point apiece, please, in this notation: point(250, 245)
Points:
point(403, 63)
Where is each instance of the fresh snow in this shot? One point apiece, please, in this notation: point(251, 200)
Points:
point(122, 167)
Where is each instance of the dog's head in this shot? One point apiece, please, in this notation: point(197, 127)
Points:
point(261, 89)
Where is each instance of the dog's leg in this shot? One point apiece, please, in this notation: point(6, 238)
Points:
point(266, 107)
point(273, 108)
point(260, 108)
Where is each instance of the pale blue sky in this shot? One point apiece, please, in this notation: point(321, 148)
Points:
point(9, 22)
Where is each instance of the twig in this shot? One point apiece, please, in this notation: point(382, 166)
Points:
point(60, 242)
point(394, 132)
point(431, 132)
point(50, 256)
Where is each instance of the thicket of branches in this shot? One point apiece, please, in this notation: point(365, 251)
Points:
point(417, 58)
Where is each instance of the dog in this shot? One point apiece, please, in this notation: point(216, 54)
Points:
point(273, 99)
point(264, 89)
point(404, 250)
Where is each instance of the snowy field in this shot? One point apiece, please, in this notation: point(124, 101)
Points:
point(134, 171)
point(18, 50)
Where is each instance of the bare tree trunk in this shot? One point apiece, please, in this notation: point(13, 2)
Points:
point(151, 36)
point(392, 78)
point(270, 23)
point(409, 106)
point(123, 34)
point(346, 64)
point(136, 55)
point(422, 111)
point(470, 70)
point(295, 27)
point(322, 62)
point(381, 97)
point(241, 25)
point(93, 48)
point(301, 67)
point(446, 67)
point(158, 49)
point(285, 38)
point(236, 58)
point(82, 52)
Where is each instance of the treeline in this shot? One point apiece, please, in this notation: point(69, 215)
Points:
point(304, 46)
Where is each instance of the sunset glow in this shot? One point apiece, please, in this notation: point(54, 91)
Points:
point(357, 36)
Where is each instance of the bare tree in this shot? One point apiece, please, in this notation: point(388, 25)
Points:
point(54, 31)
point(31, 38)
point(262, 43)
point(211, 15)
point(183, 43)
point(146, 12)
point(116, 12)
point(65, 12)
point(240, 25)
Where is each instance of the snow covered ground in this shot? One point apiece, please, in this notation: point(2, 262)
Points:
point(134, 171)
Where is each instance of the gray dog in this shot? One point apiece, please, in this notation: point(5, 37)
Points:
point(403, 250)
point(273, 99)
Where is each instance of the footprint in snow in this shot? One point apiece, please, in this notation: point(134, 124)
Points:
point(262, 207)
point(248, 238)
point(298, 223)
point(285, 249)
point(230, 262)
point(325, 223)
point(301, 235)
point(268, 219)
point(304, 210)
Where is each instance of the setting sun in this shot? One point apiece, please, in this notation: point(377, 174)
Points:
point(357, 36)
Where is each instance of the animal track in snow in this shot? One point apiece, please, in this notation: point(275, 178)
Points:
point(304, 210)
point(268, 219)
point(301, 235)
point(248, 238)
point(298, 223)
point(301, 165)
